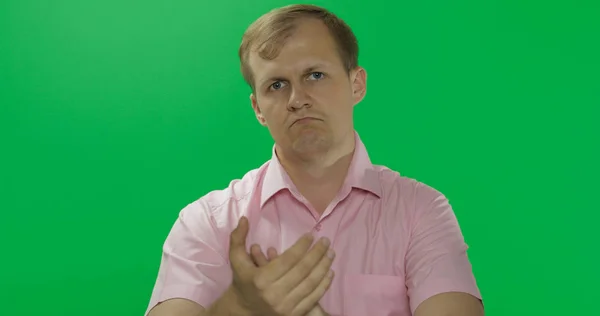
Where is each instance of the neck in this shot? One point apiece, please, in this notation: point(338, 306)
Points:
point(319, 178)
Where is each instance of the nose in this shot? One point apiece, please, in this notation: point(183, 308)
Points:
point(298, 99)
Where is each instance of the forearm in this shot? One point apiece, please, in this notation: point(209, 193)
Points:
point(319, 311)
point(227, 305)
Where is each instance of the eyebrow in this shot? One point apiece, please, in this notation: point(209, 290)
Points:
point(307, 70)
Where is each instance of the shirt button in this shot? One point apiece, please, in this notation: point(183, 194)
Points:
point(318, 227)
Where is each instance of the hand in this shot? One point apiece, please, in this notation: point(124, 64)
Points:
point(317, 311)
point(261, 260)
point(291, 284)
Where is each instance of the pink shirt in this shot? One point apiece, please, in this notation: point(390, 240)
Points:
point(397, 241)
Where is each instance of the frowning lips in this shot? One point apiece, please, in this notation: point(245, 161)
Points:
point(304, 120)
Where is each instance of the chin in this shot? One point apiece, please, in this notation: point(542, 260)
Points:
point(311, 142)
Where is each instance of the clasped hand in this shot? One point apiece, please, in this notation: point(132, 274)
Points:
point(290, 284)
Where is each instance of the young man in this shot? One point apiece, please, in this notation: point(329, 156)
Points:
point(318, 229)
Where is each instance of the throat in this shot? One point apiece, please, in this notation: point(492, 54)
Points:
point(321, 186)
point(320, 197)
point(319, 179)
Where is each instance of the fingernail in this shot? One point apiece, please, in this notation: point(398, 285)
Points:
point(331, 253)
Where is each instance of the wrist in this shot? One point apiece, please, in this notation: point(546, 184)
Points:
point(323, 312)
point(317, 311)
point(230, 304)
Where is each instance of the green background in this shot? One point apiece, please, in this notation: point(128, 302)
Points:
point(116, 114)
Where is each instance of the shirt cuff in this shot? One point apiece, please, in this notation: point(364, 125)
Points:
point(440, 286)
point(202, 296)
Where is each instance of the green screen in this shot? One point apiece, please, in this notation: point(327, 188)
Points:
point(116, 114)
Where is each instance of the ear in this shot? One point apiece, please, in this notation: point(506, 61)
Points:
point(358, 78)
point(259, 116)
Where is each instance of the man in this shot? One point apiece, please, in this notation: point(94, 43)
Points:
point(318, 229)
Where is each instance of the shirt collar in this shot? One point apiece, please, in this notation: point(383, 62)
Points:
point(361, 174)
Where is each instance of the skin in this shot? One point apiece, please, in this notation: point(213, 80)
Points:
point(305, 97)
point(308, 79)
point(444, 304)
point(290, 284)
point(310, 85)
point(261, 260)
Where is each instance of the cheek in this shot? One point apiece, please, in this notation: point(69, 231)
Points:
point(274, 112)
point(334, 88)
point(334, 95)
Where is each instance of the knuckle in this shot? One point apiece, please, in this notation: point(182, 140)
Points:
point(297, 312)
point(320, 254)
point(306, 288)
point(308, 285)
point(319, 290)
point(280, 309)
point(236, 258)
point(270, 298)
point(287, 261)
point(304, 267)
point(326, 261)
point(321, 268)
point(314, 280)
point(322, 248)
point(295, 255)
point(259, 282)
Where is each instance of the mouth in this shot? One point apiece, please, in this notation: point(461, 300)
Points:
point(305, 120)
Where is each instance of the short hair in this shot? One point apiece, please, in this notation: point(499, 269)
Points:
point(268, 34)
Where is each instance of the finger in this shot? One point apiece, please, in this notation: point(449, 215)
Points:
point(258, 256)
point(286, 261)
point(313, 298)
point(239, 259)
point(311, 281)
point(238, 235)
point(317, 256)
point(271, 253)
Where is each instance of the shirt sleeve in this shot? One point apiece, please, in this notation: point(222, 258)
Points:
point(194, 264)
point(436, 258)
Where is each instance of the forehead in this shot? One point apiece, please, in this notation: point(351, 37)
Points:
point(310, 43)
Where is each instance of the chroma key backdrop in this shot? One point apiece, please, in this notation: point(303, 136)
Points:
point(116, 114)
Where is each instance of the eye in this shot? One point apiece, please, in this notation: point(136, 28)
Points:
point(276, 85)
point(316, 76)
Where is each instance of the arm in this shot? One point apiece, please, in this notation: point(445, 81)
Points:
point(226, 305)
point(194, 270)
point(178, 307)
point(439, 276)
point(291, 284)
point(450, 304)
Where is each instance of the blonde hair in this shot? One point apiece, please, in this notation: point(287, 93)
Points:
point(269, 32)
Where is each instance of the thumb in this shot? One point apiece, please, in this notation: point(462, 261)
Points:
point(238, 257)
point(239, 234)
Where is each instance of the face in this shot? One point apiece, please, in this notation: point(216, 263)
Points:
point(305, 96)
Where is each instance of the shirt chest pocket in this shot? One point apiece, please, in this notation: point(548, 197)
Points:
point(377, 295)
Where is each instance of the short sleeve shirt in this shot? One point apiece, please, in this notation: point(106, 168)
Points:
point(397, 241)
